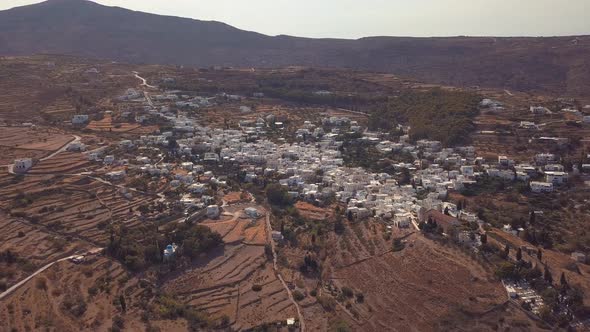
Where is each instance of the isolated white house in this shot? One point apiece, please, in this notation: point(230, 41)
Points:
point(22, 165)
point(79, 119)
point(252, 212)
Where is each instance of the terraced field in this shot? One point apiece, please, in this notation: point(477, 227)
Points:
point(24, 142)
point(62, 163)
point(106, 124)
point(70, 297)
point(33, 247)
point(222, 285)
point(75, 206)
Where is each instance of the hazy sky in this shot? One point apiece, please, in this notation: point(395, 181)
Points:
point(359, 18)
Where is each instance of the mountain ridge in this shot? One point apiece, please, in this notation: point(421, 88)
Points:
point(84, 28)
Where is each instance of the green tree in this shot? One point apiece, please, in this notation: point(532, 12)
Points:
point(547, 275)
point(123, 303)
point(277, 195)
point(563, 281)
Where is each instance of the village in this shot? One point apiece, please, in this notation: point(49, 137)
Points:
point(160, 145)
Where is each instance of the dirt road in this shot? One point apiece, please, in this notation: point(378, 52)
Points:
point(278, 274)
point(143, 80)
point(41, 270)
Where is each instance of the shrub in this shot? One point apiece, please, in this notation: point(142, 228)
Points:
point(277, 195)
point(118, 322)
point(256, 288)
point(327, 302)
point(75, 305)
point(41, 284)
point(339, 326)
point(360, 297)
point(298, 296)
point(398, 245)
point(346, 291)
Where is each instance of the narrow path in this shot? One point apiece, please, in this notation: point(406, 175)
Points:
point(148, 99)
point(278, 274)
point(63, 148)
point(353, 112)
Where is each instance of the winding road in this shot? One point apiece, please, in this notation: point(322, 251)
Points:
point(60, 150)
point(144, 81)
point(63, 148)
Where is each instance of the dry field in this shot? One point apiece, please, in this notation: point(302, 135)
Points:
point(22, 142)
point(235, 197)
point(106, 124)
point(33, 246)
point(62, 163)
point(236, 228)
point(73, 205)
point(312, 212)
point(53, 88)
point(222, 284)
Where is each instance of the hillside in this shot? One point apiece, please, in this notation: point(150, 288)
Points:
point(557, 65)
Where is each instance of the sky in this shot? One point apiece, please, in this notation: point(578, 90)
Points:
point(362, 18)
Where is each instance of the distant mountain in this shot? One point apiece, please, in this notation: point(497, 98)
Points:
point(79, 27)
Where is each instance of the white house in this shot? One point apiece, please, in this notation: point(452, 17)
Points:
point(579, 257)
point(554, 168)
point(210, 157)
point(80, 119)
point(467, 170)
point(557, 178)
point(94, 156)
point(504, 161)
point(76, 146)
point(170, 251)
point(503, 174)
point(540, 110)
point(187, 165)
point(126, 144)
point(252, 212)
point(528, 125)
point(213, 211)
point(402, 220)
point(277, 236)
point(108, 160)
point(541, 187)
point(22, 165)
point(116, 175)
point(522, 176)
point(545, 158)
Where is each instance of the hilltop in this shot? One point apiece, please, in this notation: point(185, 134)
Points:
point(557, 66)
